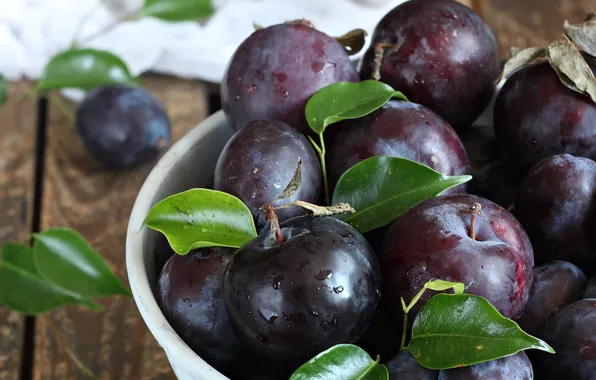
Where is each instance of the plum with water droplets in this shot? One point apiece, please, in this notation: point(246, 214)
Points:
point(290, 300)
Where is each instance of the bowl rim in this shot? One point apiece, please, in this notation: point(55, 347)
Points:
point(176, 349)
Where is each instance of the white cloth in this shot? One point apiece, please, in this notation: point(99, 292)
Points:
point(32, 31)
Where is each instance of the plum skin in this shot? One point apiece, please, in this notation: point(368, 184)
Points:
point(274, 72)
point(512, 367)
point(259, 161)
point(190, 294)
point(405, 366)
point(399, 129)
point(556, 285)
point(572, 334)
point(122, 126)
point(536, 116)
point(556, 208)
point(590, 291)
point(445, 57)
point(290, 301)
point(431, 241)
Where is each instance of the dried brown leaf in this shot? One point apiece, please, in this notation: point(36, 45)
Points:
point(521, 58)
point(294, 184)
point(583, 34)
point(314, 210)
point(571, 67)
point(353, 41)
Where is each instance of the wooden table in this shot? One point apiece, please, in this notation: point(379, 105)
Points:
point(47, 180)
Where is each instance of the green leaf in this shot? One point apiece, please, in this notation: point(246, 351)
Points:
point(3, 90)
point(202, 218)
point(381, 188)
point(347, 100)
point(441, 285)
point(23, 290)
point(85, 69)
point(64, 258)
point(461, 330)
point(342, 362)
point(178, 10)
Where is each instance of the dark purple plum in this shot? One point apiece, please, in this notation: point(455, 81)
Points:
point(399, 129)
point(318, 288)
point(536, 116)
point(556, 285)
point(277, 69)
point(122, 126)
point(555, 204)
point(383, 336)
point(513, 367)
point(434, 240)
point(405, 366)
point(491, 176)
point(590, 291)
point(260, 160)
point(190, 295)
point(444, 56)
point(572, 334)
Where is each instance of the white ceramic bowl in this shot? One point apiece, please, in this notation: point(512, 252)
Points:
point(188, 163)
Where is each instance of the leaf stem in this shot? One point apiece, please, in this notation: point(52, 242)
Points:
point(109, 27)
point(82, 22)
point(65, 109)
point(406, 310)
point(324, 169)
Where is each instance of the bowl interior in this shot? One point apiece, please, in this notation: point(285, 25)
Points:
point(190, 163)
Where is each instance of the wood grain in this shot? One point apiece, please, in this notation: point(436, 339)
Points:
point(17, 160)
point(80, 194)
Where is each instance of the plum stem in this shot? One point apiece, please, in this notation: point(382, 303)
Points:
point(322, 152)
point(474, 211)
point(271, 217)
point(378, 61)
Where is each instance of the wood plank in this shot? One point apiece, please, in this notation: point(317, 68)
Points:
point(532, 22)
point(17, 160)
point(78, 193)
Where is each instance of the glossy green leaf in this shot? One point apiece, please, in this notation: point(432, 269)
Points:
point(3, 90)
point(347, 100)
point(460, 330)
point(441, 285)
point(23, 290)
point(64, 258)
point(178, 10)
point(202, 218)
point(85, 69)
point(341, 362)
point(381, 188)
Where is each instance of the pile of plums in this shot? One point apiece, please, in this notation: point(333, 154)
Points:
point(261, 311)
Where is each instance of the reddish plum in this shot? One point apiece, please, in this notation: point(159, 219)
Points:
point(436, 238)
point(277, 69)
point(513, 367)
point(443, 56)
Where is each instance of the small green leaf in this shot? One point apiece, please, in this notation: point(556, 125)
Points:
point(23, 290)
point(202, 218)
point(381, 188)
point(342, 362)
point(3, 90)
point(64, 258)
point(347, 100)
point(178, 10)
point(440, 285)
point(85, 69)
point(461, 330)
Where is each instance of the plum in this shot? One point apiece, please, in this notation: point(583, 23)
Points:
point(399, 129)
point(122, 126)
point(190, 295)
point(590, 291)
point(536, 116)
point(491, 177)
point(290, 300)
point(555, 205)
point(383, 335)
point(274, 72)
point(512, 367)
point(260, 160)
point(462, 238)
point(556, 285)
point(405, 366)
point(571, 332)
point(442, 55)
